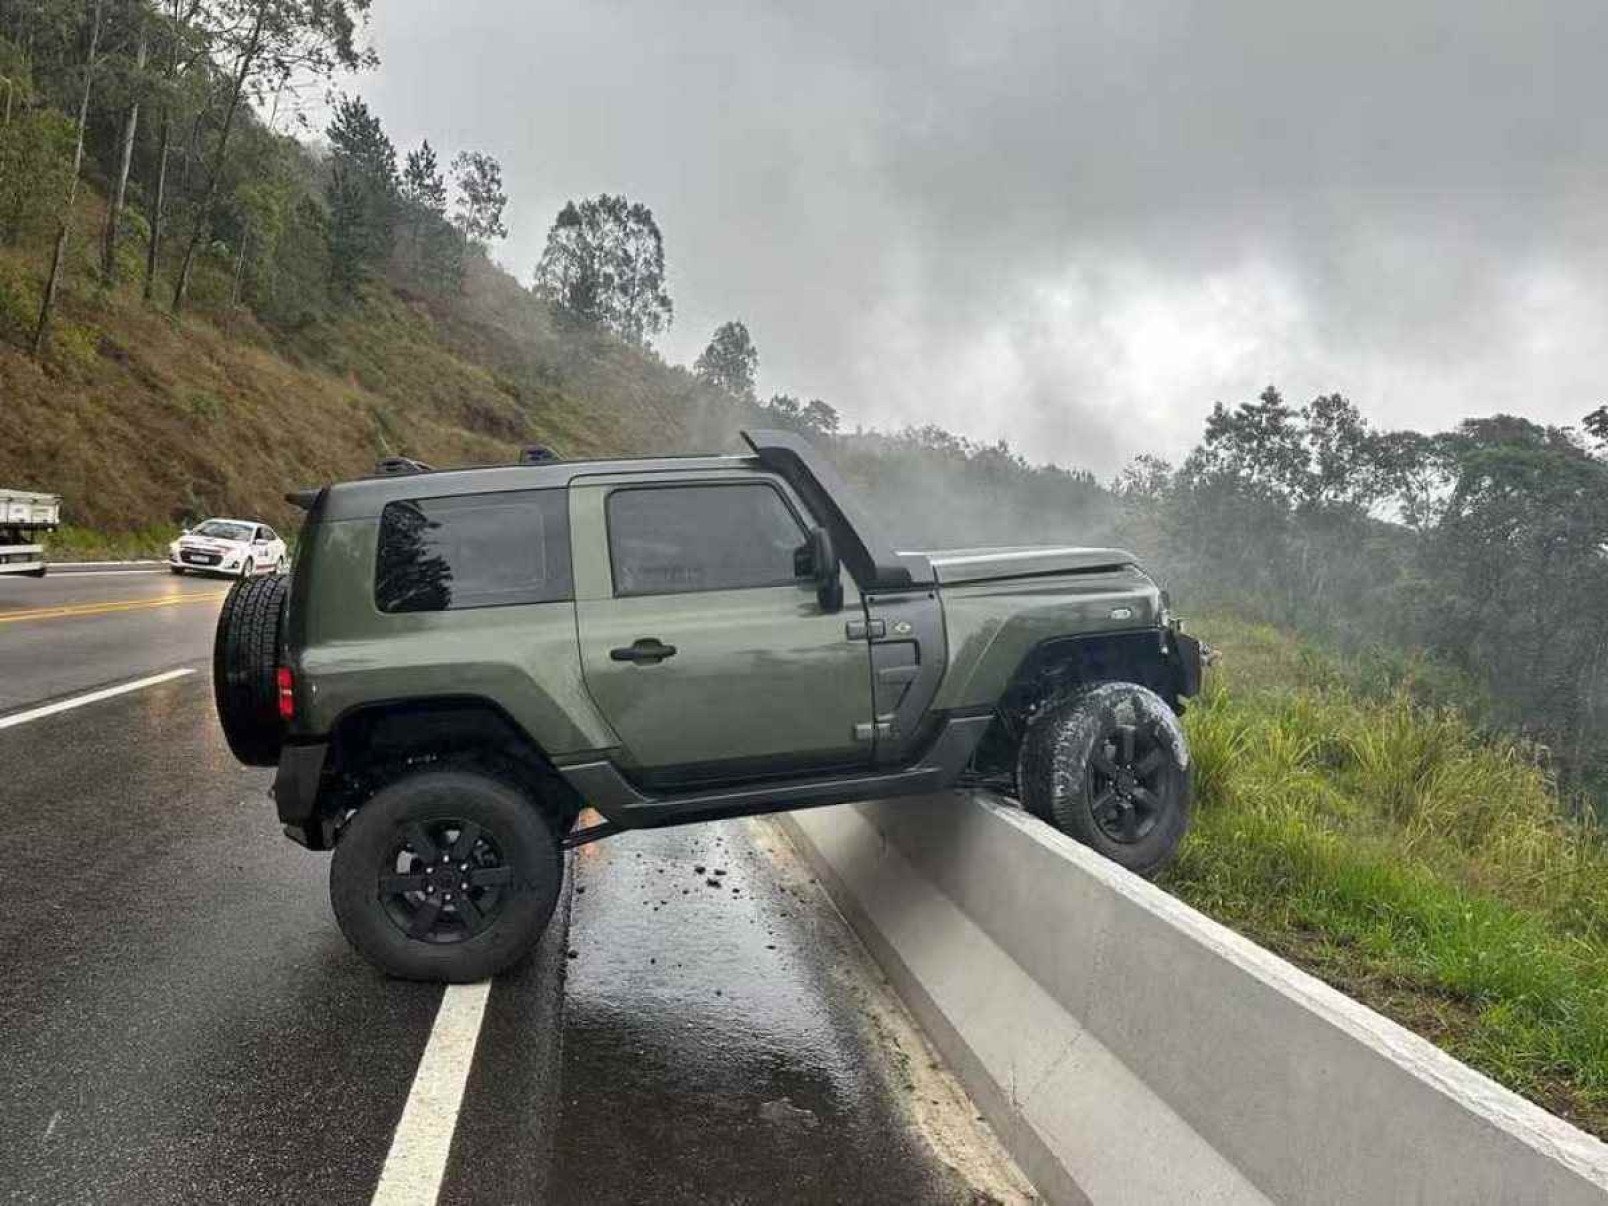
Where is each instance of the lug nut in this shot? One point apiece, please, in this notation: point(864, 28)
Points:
point(464, 885)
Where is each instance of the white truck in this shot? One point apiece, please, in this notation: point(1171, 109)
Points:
point(25, 515)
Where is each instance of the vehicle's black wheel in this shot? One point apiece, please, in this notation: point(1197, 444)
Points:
point(245, 655)
point(446, 875)
point(1109, 767)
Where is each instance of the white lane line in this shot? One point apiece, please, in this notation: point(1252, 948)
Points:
point(78, 701)
point(67, 567)
point(58, 572)
point(418, 1157)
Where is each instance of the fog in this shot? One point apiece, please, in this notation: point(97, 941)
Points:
point(1072, 226)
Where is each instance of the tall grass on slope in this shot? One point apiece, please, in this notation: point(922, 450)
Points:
point(1398, 852)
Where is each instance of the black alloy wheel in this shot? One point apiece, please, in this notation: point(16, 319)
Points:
point(1108, 766)
point(445, 881)
point(1128, 768)
point(446, 873)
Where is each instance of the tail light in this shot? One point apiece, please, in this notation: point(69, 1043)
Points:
point(286, 687)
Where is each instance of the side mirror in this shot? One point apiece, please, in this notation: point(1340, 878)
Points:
point(817, 559)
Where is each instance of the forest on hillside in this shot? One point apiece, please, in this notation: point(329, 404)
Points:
point(155, 162)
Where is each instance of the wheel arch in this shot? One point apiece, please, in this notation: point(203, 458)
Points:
point(1054, 666)
point(374, 742)
point(1058, 666)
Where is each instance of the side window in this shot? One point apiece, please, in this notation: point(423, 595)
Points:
point(476, 550)
point(672, 539)
point(268, 534)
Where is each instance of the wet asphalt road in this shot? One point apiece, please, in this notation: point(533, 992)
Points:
point(182, 1021)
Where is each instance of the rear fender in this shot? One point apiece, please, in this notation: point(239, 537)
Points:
point(319, 783)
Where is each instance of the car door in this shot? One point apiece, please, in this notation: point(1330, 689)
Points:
point(708, 656)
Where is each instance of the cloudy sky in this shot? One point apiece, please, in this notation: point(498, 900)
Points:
point(1071, 225)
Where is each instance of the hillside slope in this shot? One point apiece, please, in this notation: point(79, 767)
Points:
point(139, 420)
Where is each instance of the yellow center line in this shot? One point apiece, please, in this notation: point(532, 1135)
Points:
point(107, 608)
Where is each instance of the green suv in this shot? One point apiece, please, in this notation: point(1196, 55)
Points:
point(464, 661)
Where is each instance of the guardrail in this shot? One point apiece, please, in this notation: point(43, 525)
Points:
point(1128, 1049)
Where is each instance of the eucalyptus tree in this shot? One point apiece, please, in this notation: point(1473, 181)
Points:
point(604, 264)
point(64, 227)
point(269, 41)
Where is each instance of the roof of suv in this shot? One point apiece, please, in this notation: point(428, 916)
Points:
point(366, 497)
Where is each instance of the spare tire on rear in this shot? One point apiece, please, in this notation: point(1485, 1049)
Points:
point(245, 655)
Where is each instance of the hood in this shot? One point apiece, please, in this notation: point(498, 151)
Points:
point(981, 565)
point(210, 544)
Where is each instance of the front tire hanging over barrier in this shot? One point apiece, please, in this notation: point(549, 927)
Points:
point(1109, 767)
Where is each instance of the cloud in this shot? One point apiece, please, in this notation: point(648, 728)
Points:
point(1074, 226)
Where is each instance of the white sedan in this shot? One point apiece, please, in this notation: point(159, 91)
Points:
point(239, 548)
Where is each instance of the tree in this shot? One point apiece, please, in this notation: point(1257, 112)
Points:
point(604, 264)
point(1596, 425)
point(1145, 478)
point(135, 85)
point(814, 417)
point(362, 194)
point(279, 38)
point(730, 361)
point(1257, 445)
point(422, 186)
point(480, 196)
point(820, 416)
point(189, 41)
point(53, 282)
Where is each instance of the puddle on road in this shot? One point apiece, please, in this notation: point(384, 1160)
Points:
point(726, 1039)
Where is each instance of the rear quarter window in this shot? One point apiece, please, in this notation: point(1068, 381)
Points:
point(475, 550)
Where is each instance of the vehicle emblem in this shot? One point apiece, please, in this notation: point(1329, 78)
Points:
point(903, 628)
point(1122, 613)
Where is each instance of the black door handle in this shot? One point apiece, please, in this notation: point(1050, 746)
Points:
point(647, 650)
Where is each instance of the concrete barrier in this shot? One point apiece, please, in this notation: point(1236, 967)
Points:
point(1128, 1049)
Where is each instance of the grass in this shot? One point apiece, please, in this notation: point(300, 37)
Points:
point(70, 543)
point(1413, 861)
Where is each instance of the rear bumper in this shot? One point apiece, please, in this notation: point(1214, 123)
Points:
point(295, 792)
point(22, 559)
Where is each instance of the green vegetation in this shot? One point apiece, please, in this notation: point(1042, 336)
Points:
point(1411, 860)
point(1485, 546)
point(72, 543)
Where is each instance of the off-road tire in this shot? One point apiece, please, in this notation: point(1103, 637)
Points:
point(1062, 774)
point(430, 798)
point(245, 654)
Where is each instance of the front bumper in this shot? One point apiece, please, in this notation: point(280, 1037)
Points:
point(1184, 658)
point(295, 792)
point(222, 568)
